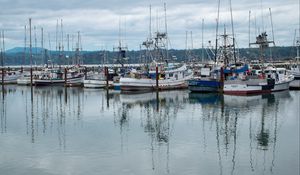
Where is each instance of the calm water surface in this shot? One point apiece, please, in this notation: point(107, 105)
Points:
point(87, 131)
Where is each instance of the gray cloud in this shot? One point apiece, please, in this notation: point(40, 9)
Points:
point(98, 20)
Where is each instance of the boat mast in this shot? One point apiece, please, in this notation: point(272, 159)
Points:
point(3, 50)
point(150, 23)
point(30, 43)
point(298, 41)
point(249, 35)
point(42, 44)
point(217, 30)
point(166, 29)
point(202, 49)
point(25, 38)
point(232, 28)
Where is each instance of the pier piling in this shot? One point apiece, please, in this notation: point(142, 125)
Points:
point(65, 73)
point(156, 74)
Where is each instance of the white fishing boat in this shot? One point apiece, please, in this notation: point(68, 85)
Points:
point(75, 77)
point(281, 76)
point(96, 80)
point(295, 68)
point(24, 79)
point(168, 79)
point(295, 71)
point(247, 87)
point(10, 77)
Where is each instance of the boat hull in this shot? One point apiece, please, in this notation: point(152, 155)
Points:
point(24, 81)
point(283, 85)
point(75, 82)
point(96, 83)
point(52, 82)
point(246, 89)
point(132, 84)
point(204, 85)
point(295, 85)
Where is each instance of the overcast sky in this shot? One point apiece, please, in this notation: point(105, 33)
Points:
point(98, 21)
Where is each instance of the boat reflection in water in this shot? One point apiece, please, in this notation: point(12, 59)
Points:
point(95, 131)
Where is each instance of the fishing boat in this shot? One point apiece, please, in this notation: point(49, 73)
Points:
point(50, 77)
point(281, 76)
point(96, 80)
point(295, 71)
point(295, 68)
point(24, 79)
point(10, 77)
point(240, 82)
point(75, 76)
point(167, 79)
point(207, 81)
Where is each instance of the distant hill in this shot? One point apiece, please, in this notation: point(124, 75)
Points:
point(21, 50)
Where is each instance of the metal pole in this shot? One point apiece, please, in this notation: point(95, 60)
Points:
point(66, 79)
point(106, 74)
point(156, 71)
point(30, 51)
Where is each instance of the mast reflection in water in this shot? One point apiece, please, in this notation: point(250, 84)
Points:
point(57, 130)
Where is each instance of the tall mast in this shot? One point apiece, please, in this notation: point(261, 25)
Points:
point(49, 49)
point(272, 25)
point(186, 44)
point(35, 41)
point(42, 44)
point(192, 44)
point(232, 28)
point(217, 30)
point(166, 29)
point(56, 35)
point(202, 50)
point(30, 43)
point(62, 35)
point(298, 40)
point(3, 49)
point(150, 25)
point(262, 16)
point(249, 35)
point(25, 38)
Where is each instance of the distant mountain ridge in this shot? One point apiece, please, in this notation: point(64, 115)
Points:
point(21, 50)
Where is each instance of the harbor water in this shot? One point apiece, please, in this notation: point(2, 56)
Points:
point(77, 131)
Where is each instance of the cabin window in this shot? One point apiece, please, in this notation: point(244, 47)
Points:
point(171, 74)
